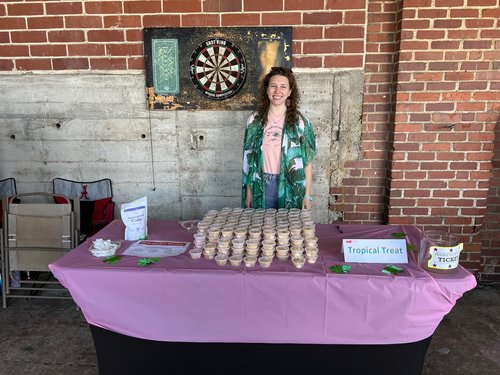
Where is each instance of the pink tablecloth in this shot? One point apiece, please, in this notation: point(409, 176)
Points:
point(180, 299)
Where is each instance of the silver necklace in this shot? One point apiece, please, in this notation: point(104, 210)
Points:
point(277, 120)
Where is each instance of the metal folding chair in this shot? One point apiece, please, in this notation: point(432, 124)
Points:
point(36, 232)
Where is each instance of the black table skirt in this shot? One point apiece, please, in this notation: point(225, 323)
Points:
point(120, 354)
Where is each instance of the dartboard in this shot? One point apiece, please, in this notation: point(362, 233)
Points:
point(217, 68)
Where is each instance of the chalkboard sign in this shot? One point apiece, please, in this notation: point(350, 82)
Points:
point(211, 68)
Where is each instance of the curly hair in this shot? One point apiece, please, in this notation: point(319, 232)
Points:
point(292, 110)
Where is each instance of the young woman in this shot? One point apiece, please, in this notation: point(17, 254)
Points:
point(278, 148)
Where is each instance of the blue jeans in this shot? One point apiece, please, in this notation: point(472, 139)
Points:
point(271, 182)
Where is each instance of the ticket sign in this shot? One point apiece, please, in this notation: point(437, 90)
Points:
point(375, 251)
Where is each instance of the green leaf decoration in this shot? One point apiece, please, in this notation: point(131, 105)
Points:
point(147, 261)
point(398, 235)
point(113, 259)
point(411, 247)
point(392, 270)
point(340, 268)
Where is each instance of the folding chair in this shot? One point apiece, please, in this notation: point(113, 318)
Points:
point(36, 234)
point(96, 202)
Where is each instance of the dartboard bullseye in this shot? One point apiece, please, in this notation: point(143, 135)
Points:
point(217, 68)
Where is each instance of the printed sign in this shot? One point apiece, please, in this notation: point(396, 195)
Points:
point(375, 250)
point(444, 258)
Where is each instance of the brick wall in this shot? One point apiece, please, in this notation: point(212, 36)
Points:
point(490, 234)
point(107, 35)
point(446, 107)
point(431, 89)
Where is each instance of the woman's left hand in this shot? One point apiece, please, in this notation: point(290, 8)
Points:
point(306, 204)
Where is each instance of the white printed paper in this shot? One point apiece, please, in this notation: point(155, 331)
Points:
point(156, 248)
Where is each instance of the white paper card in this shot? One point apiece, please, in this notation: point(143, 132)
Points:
point(153, 248)
point(375, 251)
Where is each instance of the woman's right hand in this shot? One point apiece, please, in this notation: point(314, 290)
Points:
point(249, 198)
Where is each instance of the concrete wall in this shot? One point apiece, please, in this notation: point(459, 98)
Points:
point(92, 126)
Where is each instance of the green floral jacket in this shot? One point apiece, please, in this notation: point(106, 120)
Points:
point(298, 149)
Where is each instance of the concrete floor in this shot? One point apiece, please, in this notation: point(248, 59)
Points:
point(51, 337)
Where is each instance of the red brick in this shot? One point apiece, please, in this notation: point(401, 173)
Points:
point(344, 61)
point(45, 23)
point(426, 56)
point(445, 44)
point(304, 4)
point(83, 22)
point(288, 18)
point(464, 13)
point(11, 23)
point(105, 36)
point(428, 221)
point(431, 202)
point(431, 34)
point(354, 18)
point(436, 147)
point(492, 13)
point(432, 13)
point(307, 61)
point(28, 36)
point(142, 7)
point(122, 21)
point(417, 3)
point(201, 20)
point(415, 24)
point(322, 47)
point(449, 3)
point(33, 64)
point(415, 211)
point(441, 86)
point(421, 156)
point(66, 36)
point(482, 3)
point(87, 49)
point(247, 19)
point(136, 63)
point(480, 156)
point(193, 6)
point(425, 97)
point(124, 49)
point(432, 107)
point(24, 9)
point(317, 18)
point(13, 50)
point(477, 44)
point(103, 7)
point(444, 211)
point(4, 37)
point(460, 35)
point(6, 65)
point(48, 50)
point(308, 32)
point(259, 5)
point(344, 32)
point(490, 34)
point(64, 7)
point(342, 4)
point(134, 35)
point(108, 64)
point(69, 63)
point(422, 137)
point(452, 137)
point(456, 96)
point(162, 20)
point(447, 24)
point(479, 24)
